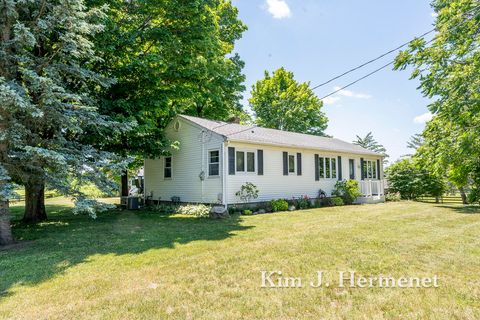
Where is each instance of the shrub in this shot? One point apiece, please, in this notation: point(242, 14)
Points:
point(197, 210)
point(163, 208)
point(302, 203)
point(247, 212)
point(279, 205)
point(392, 196)
point(337, 201)
point(330, 202)
point(347, 190)
point(247, 192)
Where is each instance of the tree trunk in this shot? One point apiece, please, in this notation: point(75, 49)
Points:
point(124, 183)
point(463, 195)
point(5, 227)
point(35, 203)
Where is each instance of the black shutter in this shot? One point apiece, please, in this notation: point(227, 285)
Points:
point(378, 169)
point(285, 163)
point(260, 162)
point(299, 164)
point(317, 172)
point(339, 169)
point(362, 169)
point(231, 160)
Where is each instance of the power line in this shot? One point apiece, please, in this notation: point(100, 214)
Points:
point(382, 67)
point(384, 54)
point(370, 61)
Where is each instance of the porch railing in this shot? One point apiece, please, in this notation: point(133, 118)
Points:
point(370, 188)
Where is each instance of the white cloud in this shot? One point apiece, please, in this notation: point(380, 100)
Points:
point(351, 94)
point(423, 118)
point(279, 9)
point(330, 100)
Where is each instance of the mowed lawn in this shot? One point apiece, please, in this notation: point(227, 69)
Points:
point(139, 265)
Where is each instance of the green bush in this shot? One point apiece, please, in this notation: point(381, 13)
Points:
point(348, 190)
point(247, 212)
point(392, 197)
point(337, 201)
point(302, 203)
point(196, 210)
point(162, 208)
point(330, 202)
point(247, 192)
point(279, 205)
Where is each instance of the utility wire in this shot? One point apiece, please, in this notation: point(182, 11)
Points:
point(381, 68)
point(384, 54)
point(370, 61)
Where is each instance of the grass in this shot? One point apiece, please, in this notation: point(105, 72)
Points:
point(139, 265)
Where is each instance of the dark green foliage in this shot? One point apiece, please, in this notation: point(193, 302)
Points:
point(279, 205)
point(348, 190)
point(369, 143)
point(337, 201)
point(168, 57)
point(302, 203)
point(411, 180)
point(280, 102)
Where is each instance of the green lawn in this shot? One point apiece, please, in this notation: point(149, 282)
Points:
point(134, 265)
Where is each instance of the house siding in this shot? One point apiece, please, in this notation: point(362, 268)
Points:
point(187, 164)
point(273, 184)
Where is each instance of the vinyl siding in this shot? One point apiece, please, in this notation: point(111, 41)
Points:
point(187, 165)
point(274, 185)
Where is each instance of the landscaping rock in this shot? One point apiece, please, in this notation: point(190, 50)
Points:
point(219, 212)
point(261, 211)
point(292, 208)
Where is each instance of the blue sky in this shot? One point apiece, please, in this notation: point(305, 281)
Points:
point(319, 39)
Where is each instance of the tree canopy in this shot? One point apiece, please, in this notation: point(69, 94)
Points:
point(168, 57)
point(369, 142)
point(280, 102)
point(448, 68)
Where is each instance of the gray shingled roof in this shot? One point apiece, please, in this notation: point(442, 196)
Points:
point(259, 135)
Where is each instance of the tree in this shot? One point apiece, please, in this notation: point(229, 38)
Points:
point(368, 142)
point(47, 102)
point(448, 68)
point(280, 102)
point(412, 180)
point(415, 142)
point(168, 57)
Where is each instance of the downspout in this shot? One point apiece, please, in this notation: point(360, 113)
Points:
point(225, 173)
point(202, 164)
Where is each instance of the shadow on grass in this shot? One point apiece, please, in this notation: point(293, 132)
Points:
point(462, 209)
point(66, 240)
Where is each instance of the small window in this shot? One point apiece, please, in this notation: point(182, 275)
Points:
point(321, 165)
point(351, 166)
point(240, 161)
point(327, 168)
point(334, 168)
point(291, 164)
point(214, 163)
point(250, 161)
point(374, 170)
point(167, 170)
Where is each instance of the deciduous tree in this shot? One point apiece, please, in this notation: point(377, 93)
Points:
point(280, 102)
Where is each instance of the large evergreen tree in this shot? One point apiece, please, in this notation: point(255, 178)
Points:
point(168, 57)
point(369, 142)
point(47, 102)
point(280, 102)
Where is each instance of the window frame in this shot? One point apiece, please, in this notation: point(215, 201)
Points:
point(165, 168)
point(329, 172)
point(294, 165)
point(370, 169)
point(351, 169)
point(245, 161)
point(213, 163)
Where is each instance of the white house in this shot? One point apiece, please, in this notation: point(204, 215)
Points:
point(214, 159)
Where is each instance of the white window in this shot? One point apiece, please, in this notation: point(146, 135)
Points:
point(240, 161)
point(214, 163)
point(327, 168)
point(250, 161)
point(291, 163)
point(245, 161)
point(370, 169)
point(167, 168)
